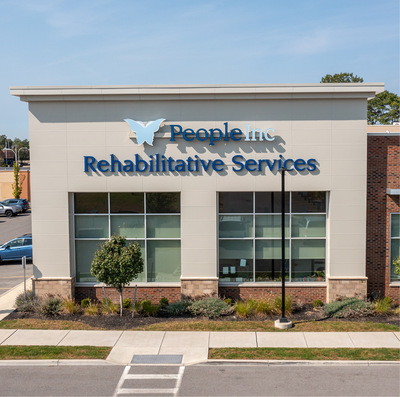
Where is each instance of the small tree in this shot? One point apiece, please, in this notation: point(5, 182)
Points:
point(117, 264)
point(18, 180)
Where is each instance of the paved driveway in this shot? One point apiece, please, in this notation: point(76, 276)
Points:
point(11, 273)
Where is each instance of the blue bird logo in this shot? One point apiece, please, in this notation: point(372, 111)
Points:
point(144, 132)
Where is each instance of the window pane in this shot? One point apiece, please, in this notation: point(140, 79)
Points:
point(394, 253)
point(308, 202)
point(269, 259)
point(141, 278)
point(27, 241)
point(271, 225)
point(91, 203)
point(163, 226)
point(395, 227)
point(128, 226)
point(308, 260)
point(236, 260)
point(235, 226)
point(127, 203)
point(270, 202)
point(308, 226)
point(84, 251)
point(163, 203)
point(91, 226)
point(15, 243)
point(236, 202)
point(163, 260)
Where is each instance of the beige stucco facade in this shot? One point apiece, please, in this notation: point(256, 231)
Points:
point(325, 122)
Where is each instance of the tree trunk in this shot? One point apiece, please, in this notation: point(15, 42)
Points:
point(120, 302)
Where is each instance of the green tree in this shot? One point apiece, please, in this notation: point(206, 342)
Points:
point(384, 108)
point(117, 264)
point(341, 78)
point(18, 180)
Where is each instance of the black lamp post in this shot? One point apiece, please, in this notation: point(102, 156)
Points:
point(283, 322)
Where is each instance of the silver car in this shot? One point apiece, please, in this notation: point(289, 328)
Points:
point(9, 210)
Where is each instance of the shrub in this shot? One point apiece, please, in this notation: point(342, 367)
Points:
point(383, 306)
point(317, 303)
point(397, 310)
point(114, 308)
point(278, 304)
point(228, 301)
point(178, 308)
point(85, 302)
point(126, 303)
point(245, 309)
point(254, 306)
point(210, 308)
point(264, 306)
point(50, 306)
point(70, 306)
point(163, 302)
point(348, 307)
point(148, 308)
point(29, 305)
point(91, 310)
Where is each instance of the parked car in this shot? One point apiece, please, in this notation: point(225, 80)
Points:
point(15, 249)
point(21, 202)
point(9, 210)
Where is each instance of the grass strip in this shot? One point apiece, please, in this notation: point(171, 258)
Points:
point(33, 323)
point(53, 352)
point(382, 354)
point(209, 325)
point(268, 326)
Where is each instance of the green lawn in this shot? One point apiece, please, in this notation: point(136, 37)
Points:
point(304, 354)
point(210, 325)
point(53, 352)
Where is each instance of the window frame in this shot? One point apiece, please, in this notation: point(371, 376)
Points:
point(128, 239)
point(391, 279)
point(287, 237)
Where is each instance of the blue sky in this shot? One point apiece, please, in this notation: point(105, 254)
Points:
point(107, 42)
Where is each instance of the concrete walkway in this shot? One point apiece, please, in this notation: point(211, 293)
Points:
point(193, 345)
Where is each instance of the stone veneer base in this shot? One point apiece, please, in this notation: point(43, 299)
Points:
point(339, 287)
point(63, 287)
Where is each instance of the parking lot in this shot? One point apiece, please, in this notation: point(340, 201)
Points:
point(11, 273)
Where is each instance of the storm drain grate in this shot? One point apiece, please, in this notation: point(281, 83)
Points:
point(157, 359)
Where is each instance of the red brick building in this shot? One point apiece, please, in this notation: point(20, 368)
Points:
point(383, 211)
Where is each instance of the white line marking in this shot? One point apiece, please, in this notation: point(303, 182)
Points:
point(179, 381)
point(121, 380)
point(153, 376)
point(126, 375)
point(146, 391)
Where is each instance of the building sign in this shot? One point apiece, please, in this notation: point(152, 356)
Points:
point(159, 163)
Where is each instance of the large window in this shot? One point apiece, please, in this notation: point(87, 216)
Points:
point(250, 236)
point(151, 219)
point(394, 244)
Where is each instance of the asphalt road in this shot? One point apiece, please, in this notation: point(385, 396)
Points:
point(202, 380)
point(11, 273)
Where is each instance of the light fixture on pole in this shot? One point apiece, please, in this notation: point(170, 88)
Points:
point(283, 322)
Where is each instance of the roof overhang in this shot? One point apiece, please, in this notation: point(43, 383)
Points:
point(199, 92)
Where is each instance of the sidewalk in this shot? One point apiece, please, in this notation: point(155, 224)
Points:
point(193, 346)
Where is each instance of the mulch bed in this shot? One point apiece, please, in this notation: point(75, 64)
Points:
point(306, 313)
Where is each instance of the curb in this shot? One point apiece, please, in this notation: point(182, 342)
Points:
point(303, 362)
point(52, 363)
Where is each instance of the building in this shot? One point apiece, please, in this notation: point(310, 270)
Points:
point(383, 210)
point(198, 186)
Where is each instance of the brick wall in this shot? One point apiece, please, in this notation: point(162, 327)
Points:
point(383, 172)
point(298, 294)
point(154, 294)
